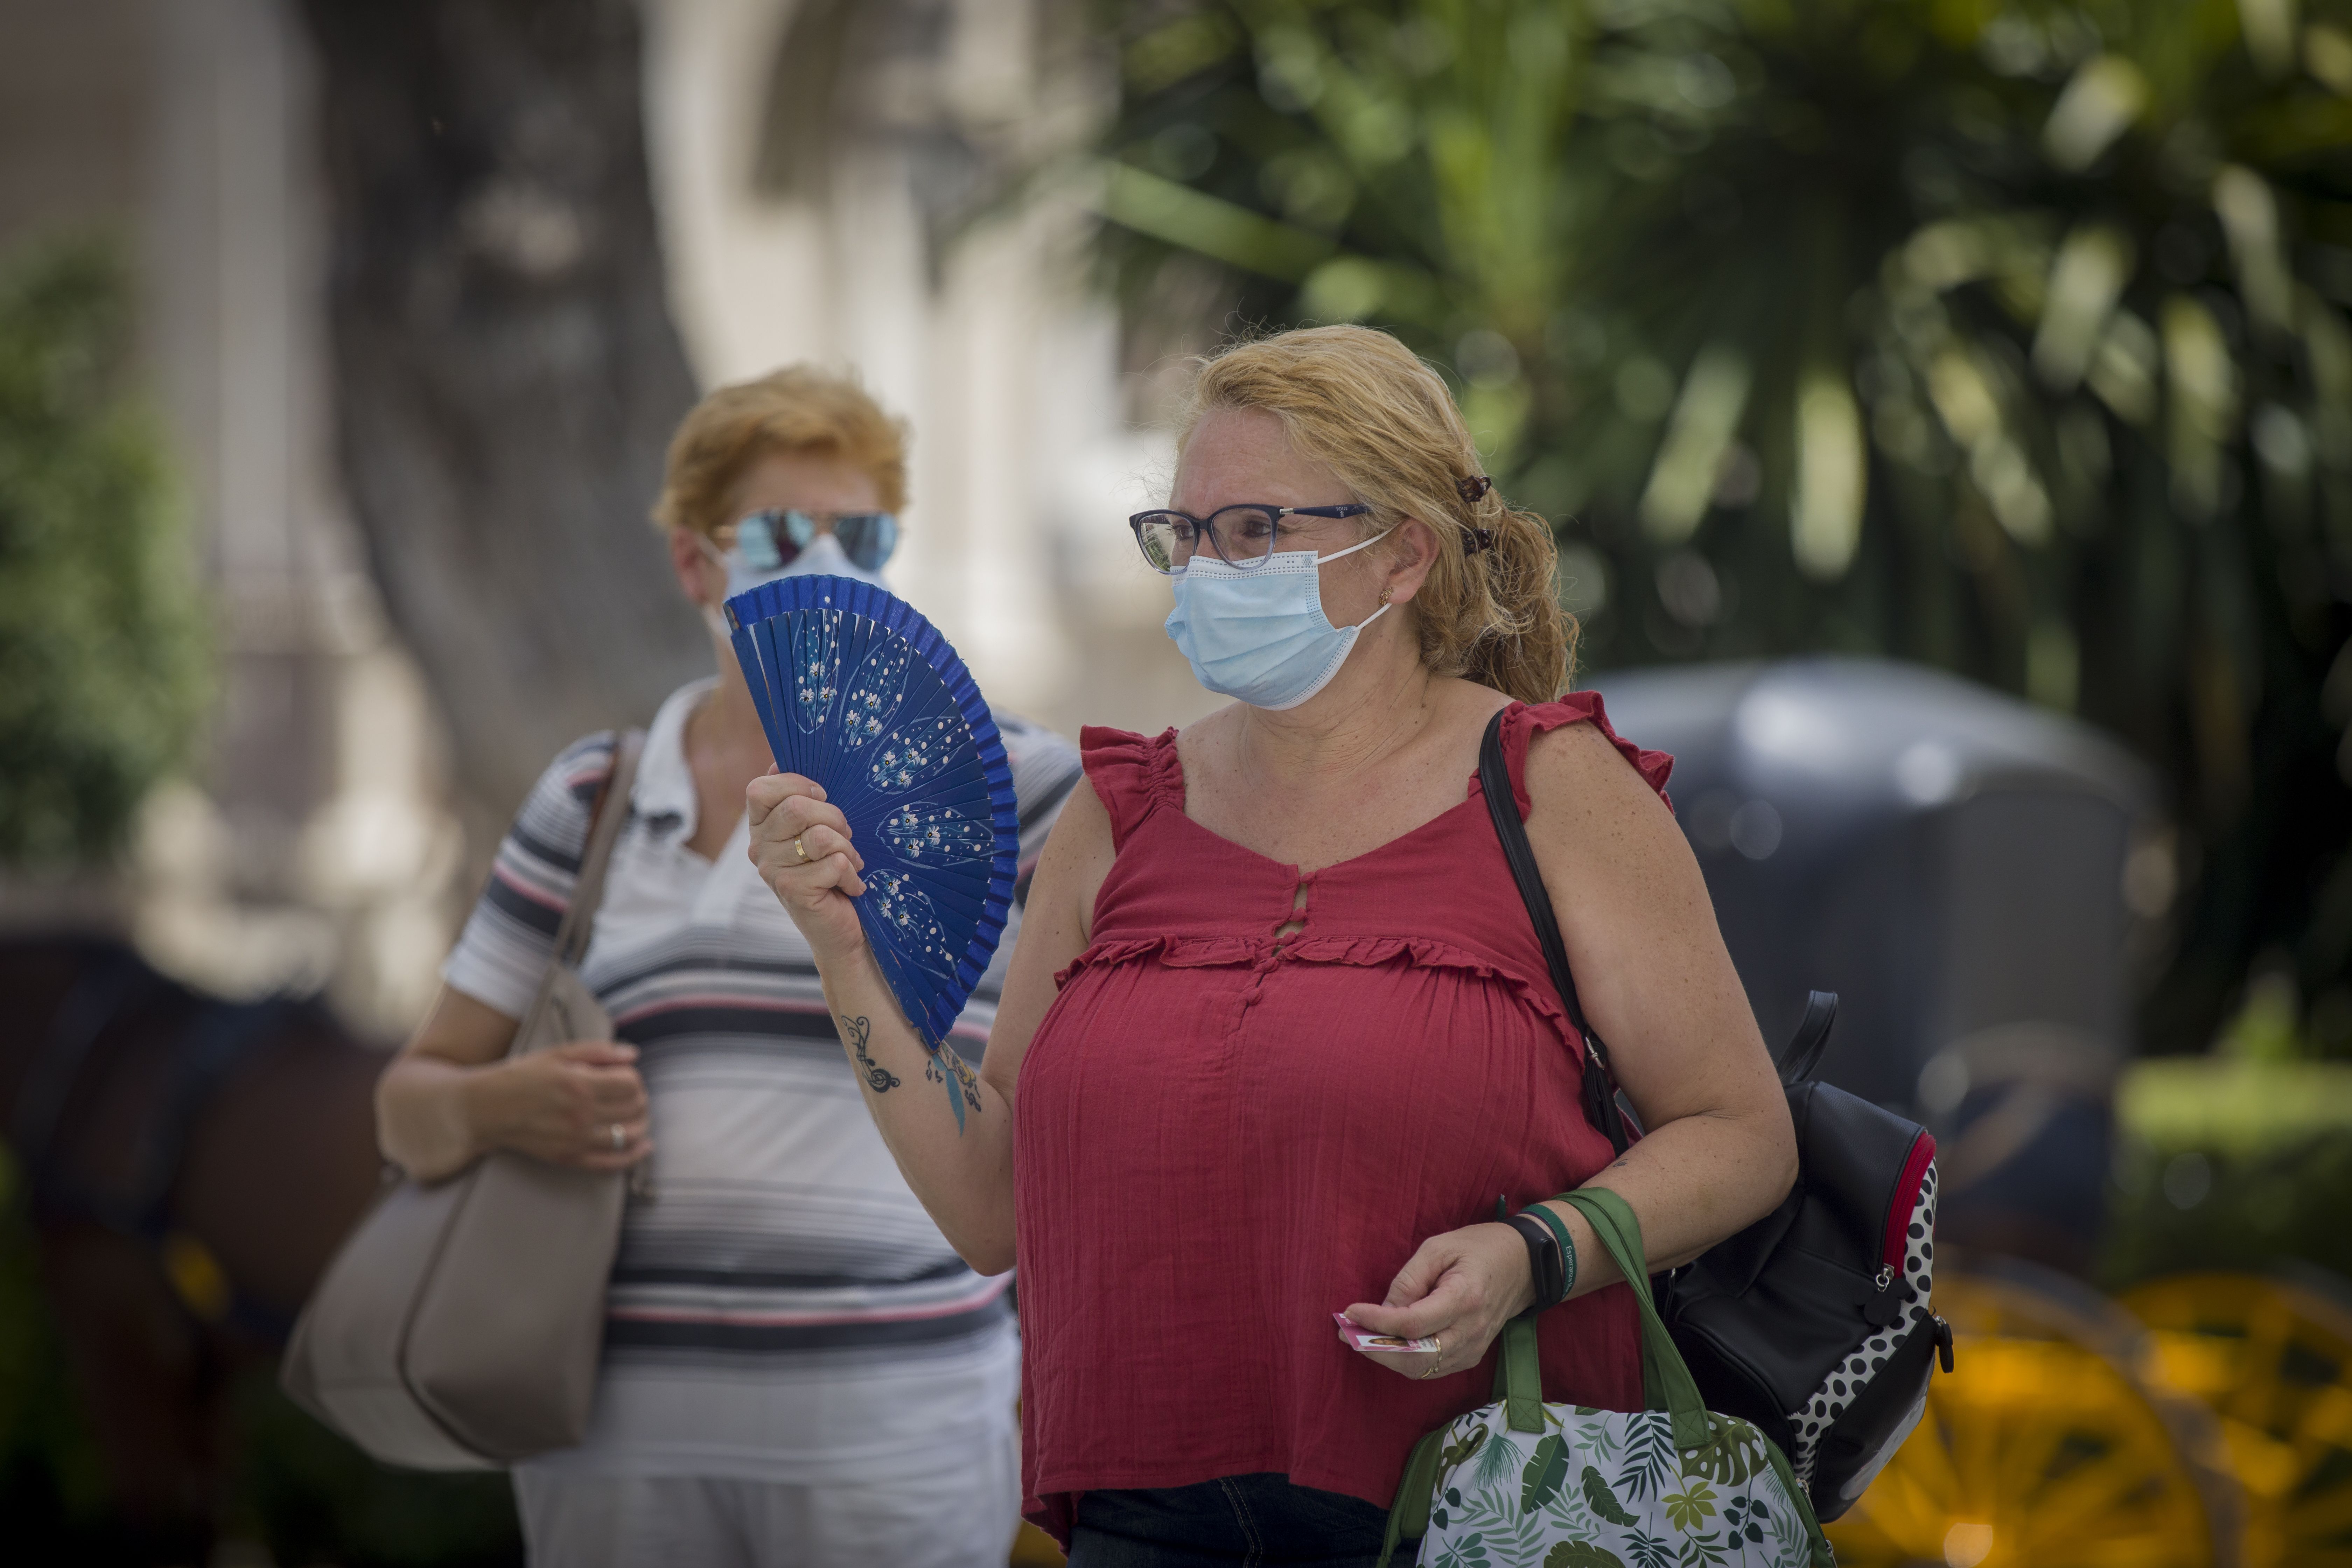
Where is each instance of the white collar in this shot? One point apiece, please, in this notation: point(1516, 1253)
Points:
point(665, 784)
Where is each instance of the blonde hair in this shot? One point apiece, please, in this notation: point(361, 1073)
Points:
point(799, 409)
point(1358, 402)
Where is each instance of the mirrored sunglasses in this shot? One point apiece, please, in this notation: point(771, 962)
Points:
point(775, 537)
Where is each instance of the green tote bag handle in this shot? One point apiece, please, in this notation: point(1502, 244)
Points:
point(1665, 1376)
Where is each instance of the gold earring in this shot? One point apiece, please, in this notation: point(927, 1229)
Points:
point(1385, 592)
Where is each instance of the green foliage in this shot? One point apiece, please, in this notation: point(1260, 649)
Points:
point(1649, 1458)
point(1732, 1455)
point(2226, 1164)
point(50, 1484)
point(1491, 1465)
point(1691, 1506)
point(1582, 1554)
point(102, 653)
point(2003, 336)
point(1457, 1454)
point(1546, 1469)
point(1469, 1550)
point(1603, 1501)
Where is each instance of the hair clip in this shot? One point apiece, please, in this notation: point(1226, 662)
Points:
point(1474, 540)
point(1474, 490)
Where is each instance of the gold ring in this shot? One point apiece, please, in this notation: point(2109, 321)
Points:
point(1439, 1341)
point(799, 850)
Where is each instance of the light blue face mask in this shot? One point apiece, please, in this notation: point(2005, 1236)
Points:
point(1260, 633)
point(823, 554)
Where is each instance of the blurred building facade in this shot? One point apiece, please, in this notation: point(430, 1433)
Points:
point(894, 186)
point(314, 848)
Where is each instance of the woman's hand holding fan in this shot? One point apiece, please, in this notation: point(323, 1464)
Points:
point(788, 815)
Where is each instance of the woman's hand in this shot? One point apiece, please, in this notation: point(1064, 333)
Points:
point(802, 847)
point(1461, 1287)
point(581, 1104)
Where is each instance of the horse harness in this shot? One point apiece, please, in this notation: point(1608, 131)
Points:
point(206, 1049)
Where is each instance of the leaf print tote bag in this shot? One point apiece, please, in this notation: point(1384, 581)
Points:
point(1522, 1484)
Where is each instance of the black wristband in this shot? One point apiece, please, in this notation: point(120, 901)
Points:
point(1545, 1269)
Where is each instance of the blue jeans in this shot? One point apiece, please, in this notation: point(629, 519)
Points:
point(1234, 1521)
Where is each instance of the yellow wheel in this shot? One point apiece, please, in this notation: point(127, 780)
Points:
point(2045, 1447)
point(1033, 1548)
point(2273, 1360)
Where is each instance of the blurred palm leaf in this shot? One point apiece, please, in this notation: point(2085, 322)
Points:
point(2008, 337)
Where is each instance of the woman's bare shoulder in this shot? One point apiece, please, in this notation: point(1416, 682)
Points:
point(1077, 854)
point(1576, 773)
point(1084, 822)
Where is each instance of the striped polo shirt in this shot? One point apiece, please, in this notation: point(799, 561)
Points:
point(782, 1308)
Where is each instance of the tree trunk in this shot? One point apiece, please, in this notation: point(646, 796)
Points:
point(506, 373)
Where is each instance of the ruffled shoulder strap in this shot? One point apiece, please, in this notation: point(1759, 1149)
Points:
point(1523, 722)
point(1131, 774)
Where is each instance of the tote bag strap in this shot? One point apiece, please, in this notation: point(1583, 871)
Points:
point(1503, 806)
point(1665, 1375)
point(605, 822)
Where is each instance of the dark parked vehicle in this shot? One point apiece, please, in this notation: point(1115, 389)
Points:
point(1952, 863)
point(1974, 876)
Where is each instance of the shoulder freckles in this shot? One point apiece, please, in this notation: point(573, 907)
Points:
point(1571, 747)
point(1579, 760)
point(1084, 803)
point(1083, 828)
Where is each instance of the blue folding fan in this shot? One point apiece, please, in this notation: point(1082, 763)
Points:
point(859, 692)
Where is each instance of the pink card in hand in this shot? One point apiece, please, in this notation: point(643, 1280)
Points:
point(1363, 1339)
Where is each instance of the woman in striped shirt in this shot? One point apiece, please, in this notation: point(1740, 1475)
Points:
point(798, 1367)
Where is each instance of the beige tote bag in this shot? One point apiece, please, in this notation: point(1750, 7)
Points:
point(460, 1325)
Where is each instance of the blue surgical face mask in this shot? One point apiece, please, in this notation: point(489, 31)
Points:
point(1259, 634)
point(822, 554)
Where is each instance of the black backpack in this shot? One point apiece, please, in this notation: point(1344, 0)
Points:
point(1813, 1322)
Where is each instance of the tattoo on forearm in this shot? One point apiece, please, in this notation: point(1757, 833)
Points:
point(878, 1079)
point(962, 1071)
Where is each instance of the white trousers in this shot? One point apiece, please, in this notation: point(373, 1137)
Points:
point(959, 1517)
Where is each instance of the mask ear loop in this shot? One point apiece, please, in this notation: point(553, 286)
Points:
point(1359, 545)
point(1385, 592)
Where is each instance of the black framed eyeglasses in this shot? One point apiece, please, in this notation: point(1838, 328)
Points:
point(1242, 536)
point(775, 537)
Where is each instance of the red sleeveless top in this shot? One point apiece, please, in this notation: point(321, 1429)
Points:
point(1224, 1137)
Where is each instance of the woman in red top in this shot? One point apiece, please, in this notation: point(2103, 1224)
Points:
point(1278, 1031)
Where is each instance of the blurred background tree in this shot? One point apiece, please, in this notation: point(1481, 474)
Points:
point(506, 373)
point(2008, 337)
point(104, 652)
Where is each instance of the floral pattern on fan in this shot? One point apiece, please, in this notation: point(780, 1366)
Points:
point(874, 693)
point(909, 758)
point(816, 667)
point(937, 835)
point(860, 695)
point(907, 910)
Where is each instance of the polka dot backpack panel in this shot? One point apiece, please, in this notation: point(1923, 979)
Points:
point(1815, 1323)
